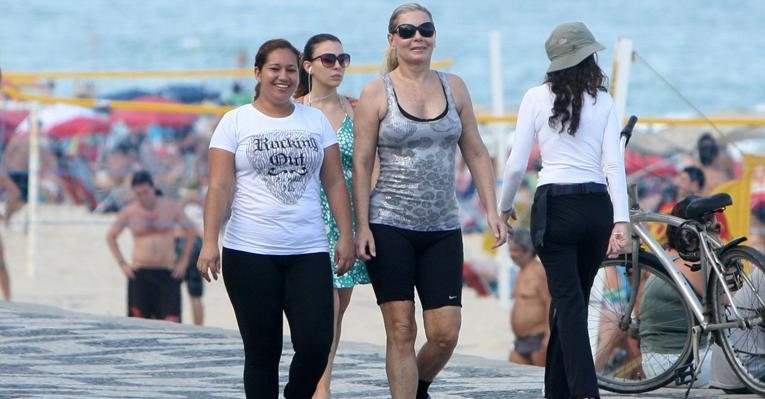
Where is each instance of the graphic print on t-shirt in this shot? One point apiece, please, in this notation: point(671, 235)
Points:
point(285, 160)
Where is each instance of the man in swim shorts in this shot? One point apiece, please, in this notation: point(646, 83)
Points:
point(155, 272)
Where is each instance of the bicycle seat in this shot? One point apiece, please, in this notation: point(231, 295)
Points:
point(704, 205)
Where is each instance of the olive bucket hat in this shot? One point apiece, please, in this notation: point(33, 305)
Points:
point(569, 44)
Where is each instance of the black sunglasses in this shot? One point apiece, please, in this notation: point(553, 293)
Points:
point(407, 31)
point(329, 59)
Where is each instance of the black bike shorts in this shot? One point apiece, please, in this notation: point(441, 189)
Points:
point(431, 261)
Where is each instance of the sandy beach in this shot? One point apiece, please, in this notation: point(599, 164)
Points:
point(74, 270)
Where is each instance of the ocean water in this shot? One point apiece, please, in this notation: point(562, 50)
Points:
point(711, 51)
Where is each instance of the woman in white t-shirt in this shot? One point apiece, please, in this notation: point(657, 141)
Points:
point(580, 206)
point(268, 160)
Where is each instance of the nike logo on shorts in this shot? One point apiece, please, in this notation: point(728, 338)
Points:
point(452, 297)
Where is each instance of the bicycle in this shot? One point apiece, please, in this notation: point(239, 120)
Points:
point(636, 354)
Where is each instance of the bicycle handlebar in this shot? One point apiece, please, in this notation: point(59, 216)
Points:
point(627, 131)
point(624, 139)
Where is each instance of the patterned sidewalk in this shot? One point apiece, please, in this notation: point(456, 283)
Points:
point(50, 353)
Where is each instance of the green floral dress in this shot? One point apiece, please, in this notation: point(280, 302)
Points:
point(358, 272)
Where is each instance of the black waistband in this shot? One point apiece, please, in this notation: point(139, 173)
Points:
point(539, 209)
point(579, 188)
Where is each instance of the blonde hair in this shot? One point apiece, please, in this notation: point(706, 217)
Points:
point(390, 61)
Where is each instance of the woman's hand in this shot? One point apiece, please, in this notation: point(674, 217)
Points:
point(345, 254)
point(618, 239)
point(506, 217)
point(209, 259)
point(365, 243)
point(498, 228)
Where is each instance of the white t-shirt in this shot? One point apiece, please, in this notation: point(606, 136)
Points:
point(591, 155)
point(276, 208)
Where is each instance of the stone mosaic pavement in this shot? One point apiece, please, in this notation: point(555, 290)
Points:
point(50, 353)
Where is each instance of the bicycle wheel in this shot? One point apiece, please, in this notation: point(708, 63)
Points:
point(743, 347)
point(644, 356)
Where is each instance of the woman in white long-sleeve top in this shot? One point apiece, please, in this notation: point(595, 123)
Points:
point(580, 211)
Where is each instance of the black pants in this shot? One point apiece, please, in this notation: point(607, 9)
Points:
point(575, 241)
point(261, 288)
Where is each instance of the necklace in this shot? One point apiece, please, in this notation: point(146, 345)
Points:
point(322, 98)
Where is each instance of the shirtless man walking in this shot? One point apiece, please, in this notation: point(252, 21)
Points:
point(531, 303)
point(12, 194)
point(154, 273)
point(15, 167)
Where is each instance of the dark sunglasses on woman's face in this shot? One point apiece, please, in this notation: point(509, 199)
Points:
point(407, 31)
point(329, 59)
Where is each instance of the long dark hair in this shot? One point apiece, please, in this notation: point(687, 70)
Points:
point(569, 86)
point(267, 48)
point(304, 86)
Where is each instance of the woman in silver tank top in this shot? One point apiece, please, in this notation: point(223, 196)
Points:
point(414, 118)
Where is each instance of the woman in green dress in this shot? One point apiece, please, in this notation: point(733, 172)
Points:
point(323, 67)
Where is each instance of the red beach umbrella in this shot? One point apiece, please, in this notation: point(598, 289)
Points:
point(140, 119)
point(657, 165)
point(79, 125)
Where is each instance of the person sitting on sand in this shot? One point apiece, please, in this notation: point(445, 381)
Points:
point(531, 303)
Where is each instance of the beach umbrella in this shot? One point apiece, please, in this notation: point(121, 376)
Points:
point(657, 165)
point(189, 94)
point(140, 119)
point(52, 115)
point(79, 125)
point(128, 94)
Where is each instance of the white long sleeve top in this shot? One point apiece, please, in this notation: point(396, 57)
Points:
point(591, 155)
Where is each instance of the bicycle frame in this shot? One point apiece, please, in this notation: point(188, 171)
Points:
point(708, 320)
point(710, 264)
point(709, 259)
point(641, 232)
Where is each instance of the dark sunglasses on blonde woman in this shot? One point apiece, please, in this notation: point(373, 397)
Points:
point(329, 59)
point(407, 31)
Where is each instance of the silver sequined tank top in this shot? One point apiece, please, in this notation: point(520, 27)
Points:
point(416, 188)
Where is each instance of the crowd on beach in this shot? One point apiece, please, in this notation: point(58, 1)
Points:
point(92, 169)
point(312, 192)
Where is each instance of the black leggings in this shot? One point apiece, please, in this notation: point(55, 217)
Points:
point(575, 242)
point(261, 287)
